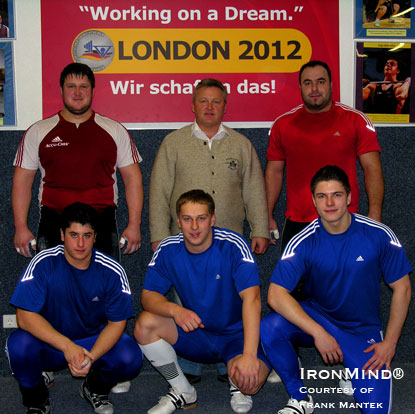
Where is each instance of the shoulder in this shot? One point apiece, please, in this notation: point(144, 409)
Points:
point(45, 259)
point(237, 137)
point(43, 126)
point(108, 264)
point(111, 126)
point(301, 239)
point(178, 133)
point(235, 242)
point(350, 113)
point(287, 116)
point(373, 227)
point(168, 247)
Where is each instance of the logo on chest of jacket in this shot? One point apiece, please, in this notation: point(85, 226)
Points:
point(232, 163)
point(57, 142)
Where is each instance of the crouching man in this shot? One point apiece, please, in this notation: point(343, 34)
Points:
point(216, 278)
point(72, 304)
point(342, 258)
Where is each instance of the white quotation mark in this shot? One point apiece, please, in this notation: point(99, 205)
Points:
point(84, 8)
point(298, 9)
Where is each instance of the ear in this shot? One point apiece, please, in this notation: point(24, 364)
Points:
point(213, 220)
point(193, 107)
point(178, 223)
point(349, 199)
point(62, 236)
point(314, 200)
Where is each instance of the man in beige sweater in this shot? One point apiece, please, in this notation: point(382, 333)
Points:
point(212, 157)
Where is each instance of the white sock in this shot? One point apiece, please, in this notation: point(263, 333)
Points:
point(163, 357)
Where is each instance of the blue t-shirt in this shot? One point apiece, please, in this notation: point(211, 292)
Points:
point(342, 272)
point(207, 283)
point(77, 303)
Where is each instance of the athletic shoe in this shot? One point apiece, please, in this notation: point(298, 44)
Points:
point(100, 403)
point(273, 377)
point(121, 387)
point(240, 402)
point(45, 408)
point(392, 20)
point(48, 378)
point(377, 23)
point(172, 400)
point(298, 407)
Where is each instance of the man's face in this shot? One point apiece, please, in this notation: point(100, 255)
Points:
point(77, 94)
point(196, 223)
point(391, 67)
point(316, 89)
point(78, 241)
point(331, 201)
point(209, 107)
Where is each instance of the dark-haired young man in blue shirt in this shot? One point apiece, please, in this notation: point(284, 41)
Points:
point(342, 258)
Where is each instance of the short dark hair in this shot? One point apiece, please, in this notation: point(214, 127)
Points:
point(79, 70)
point(208, 83)
point(328, 173)
point(313, 64)
point(195, 196)
point(79, 213)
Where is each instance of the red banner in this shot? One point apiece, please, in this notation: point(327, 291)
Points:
point(147, 57)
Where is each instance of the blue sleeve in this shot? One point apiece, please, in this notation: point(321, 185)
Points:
point(157, 278)
point(31, 291)
point(289, 269)
point(245, 272)
point(394, 263)
point(118, 303)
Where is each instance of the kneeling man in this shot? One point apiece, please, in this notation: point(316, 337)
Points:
point(216, 278)
point(72, 304)
point(341, 257)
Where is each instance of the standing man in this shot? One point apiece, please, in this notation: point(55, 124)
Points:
point(314, 134)
point(389, 96)
point(342, 258)
point(72, 304)
point(217, 281)
point(215, 158)
point(77, 152)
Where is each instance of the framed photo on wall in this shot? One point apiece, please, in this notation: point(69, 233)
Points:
point(385, 81)
point(384, 19)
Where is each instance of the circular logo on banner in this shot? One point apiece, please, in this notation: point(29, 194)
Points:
point(93, 48)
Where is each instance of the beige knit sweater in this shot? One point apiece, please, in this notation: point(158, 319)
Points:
point(230, 172)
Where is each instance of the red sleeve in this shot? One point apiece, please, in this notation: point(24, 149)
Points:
point(367, 140)
point(275, 151)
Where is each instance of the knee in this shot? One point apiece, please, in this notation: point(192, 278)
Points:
point(271, 327)
point(129, 356)
point(145, 325)
point(22, 346)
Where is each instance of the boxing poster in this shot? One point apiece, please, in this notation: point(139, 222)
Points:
point(385, 19)
point(385, 81)
point(148, 56)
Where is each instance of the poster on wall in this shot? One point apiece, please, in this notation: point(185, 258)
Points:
point(385, 19)
point(148, 58)
point(384, 75)
point(7, 100)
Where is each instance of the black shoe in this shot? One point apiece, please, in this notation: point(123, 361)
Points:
point(100, 403)
point(45, 408)
point(193, 379)
point(222, 378)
